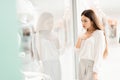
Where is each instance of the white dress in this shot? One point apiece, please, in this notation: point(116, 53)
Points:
point(49, 55)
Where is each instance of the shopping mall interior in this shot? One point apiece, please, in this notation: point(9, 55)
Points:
point(66, 25)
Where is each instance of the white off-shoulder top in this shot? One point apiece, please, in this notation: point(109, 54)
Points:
point(93, 48)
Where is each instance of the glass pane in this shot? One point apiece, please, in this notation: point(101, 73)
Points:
point(46, 39)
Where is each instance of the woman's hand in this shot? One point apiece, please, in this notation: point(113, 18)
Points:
point(95, 76)
point(78, 43)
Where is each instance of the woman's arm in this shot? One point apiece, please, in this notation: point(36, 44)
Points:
point(78, 44)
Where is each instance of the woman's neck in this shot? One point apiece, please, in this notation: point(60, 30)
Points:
point(91, 30)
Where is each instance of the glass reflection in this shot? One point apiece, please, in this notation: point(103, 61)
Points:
point(48, 46)
point(47, 52)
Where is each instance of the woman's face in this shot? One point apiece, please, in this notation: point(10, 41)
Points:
point(48, 24)
point(86, 22)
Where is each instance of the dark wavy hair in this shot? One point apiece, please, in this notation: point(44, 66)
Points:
point(92, 16)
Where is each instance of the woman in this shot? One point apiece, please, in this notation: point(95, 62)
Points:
point(92, 46)
point(48, 46)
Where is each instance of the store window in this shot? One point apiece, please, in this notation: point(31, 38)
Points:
point(47, 38)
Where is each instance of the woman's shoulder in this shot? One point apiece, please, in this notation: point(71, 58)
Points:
point(99, 32)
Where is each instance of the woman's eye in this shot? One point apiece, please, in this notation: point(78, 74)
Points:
point(85, 20)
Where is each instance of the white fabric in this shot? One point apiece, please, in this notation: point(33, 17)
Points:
point(47, 45)
point(48, 50)
point(85, 70)
point(93, 49)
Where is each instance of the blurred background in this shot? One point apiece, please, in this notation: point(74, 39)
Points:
point(67, 26)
